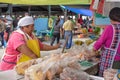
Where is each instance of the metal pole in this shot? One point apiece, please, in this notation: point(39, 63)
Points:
point(49, 11)
point(29, 10)
point(65, 14)
point(10, 9)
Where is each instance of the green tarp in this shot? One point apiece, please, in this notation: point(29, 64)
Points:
point(46, 2)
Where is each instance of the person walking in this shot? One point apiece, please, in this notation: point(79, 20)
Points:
point(56, 32)
point(68, 26)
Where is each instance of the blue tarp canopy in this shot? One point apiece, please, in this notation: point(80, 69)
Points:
point(85, 12)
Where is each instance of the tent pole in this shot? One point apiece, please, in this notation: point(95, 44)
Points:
point(10, 9)
point(49, 11)
point(65, 14)
point(29, 10)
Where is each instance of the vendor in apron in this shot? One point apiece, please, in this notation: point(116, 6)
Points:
point(110, 42)
point(23, 45)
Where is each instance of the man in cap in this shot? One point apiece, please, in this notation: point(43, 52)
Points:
point(68, 26)
point(23, 45)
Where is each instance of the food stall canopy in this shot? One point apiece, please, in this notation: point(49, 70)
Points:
point(85, 12)
point(46, 2)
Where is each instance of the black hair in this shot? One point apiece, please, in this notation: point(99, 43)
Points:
point(69, 18)
point(115, 14)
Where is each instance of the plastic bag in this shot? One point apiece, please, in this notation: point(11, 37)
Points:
point(116, 77)
point(73, 74)
point(51, 66)
point(40, 70)
point(68, 59)
point(75, 49)
point(35, 73)
point(109, 74)
point(20, 68)
point(53, 70)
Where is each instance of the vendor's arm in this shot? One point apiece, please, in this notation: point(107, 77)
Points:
point(100, 42)
point(25, 50)
point(48, 47)
point(45, 47)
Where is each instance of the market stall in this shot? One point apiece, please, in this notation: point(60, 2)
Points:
point(70, 64)
point(71, 59)
point(12, 75)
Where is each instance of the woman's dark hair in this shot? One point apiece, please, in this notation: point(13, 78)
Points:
point(115, 14)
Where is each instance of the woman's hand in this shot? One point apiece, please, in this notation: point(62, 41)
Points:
point(48, 47)
point(89, 55)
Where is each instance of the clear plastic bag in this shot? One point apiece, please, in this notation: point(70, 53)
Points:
point(20, 68)
point(80, 51)
point(69, 60)
point(53, 70)
point(42, 71)
point(116, 77)
point(75, 50)
point(73, 74)
point(61, 63)
point(109, 74)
